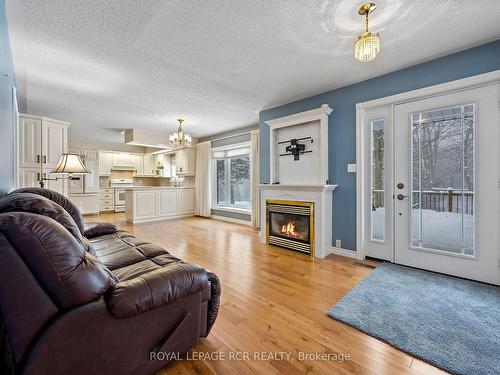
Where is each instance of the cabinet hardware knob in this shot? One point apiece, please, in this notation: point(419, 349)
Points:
point(44, 159)
point(38, 158)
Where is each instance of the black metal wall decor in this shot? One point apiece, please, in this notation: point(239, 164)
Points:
point(295, 148)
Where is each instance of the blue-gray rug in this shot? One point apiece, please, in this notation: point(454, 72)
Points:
point(451, 323)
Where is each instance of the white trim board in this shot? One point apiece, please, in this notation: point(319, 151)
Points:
point(405, 97)
point(342, 252)
point(231, 220)
point(318, 114)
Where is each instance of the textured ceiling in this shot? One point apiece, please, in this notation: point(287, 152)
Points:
point(110, 65)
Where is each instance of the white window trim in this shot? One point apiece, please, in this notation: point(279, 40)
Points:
point(215, 205)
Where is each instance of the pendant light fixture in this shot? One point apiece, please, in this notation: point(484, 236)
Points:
point(180, 138)
point(367, 46)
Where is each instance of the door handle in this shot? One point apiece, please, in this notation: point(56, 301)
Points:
point(401, 196)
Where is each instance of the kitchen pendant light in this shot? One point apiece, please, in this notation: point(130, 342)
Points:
point(367, 46)
point(180, 138)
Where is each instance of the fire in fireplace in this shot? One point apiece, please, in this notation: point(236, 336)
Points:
point(290, 224)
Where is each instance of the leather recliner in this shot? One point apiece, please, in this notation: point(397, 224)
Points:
point(81, 298)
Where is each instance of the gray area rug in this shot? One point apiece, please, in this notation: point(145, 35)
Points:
point(451, 323)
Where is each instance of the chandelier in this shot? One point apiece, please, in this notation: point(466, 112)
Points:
point(180, 138)
point(368, 45)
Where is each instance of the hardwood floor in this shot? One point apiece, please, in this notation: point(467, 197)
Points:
point(273, 300)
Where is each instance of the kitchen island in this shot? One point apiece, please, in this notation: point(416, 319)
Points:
point(151, 203)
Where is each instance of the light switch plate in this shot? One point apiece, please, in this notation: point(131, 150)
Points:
point(351, 168)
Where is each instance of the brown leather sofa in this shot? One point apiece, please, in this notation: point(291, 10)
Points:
point(81, 298)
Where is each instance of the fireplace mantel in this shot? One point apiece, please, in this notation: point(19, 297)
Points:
point(319, 195)
point(297, 187)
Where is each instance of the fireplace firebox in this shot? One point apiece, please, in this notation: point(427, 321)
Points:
point(290, 224)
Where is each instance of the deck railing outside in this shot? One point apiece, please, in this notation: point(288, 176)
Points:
point(440, 200)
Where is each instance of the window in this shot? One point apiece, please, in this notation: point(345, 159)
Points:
point(232, 178)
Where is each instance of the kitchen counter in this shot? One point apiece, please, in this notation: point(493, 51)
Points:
point(138, 188)
point(151, 203)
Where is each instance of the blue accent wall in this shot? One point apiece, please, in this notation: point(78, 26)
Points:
point(7, 122)
point(342, 122)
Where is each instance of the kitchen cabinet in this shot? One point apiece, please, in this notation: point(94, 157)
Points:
point(105, 162)
point(138, 162)
point(148, 167)
point(186, 200)
point(123, 159)
point(185, 160)
point(91, 155)
point(144, 204)
point(30, 142)
point(29, 177)
point(106, 199)
point(40, 145)
point(54, 142)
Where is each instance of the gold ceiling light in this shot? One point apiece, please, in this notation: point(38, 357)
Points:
point(367, 46)
point(180, 138)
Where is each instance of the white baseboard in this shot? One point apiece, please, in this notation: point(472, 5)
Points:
point(342, 252)
point(231, 220)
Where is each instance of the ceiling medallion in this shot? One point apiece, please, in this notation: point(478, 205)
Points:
point(180, 138)
point(367, 46)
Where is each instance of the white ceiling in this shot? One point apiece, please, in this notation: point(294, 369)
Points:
point(110, 65)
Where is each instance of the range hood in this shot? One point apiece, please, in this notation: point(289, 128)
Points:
point(123, 167)
point(139, 137)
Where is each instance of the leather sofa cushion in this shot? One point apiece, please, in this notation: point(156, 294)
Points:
point(155, 289)
point(94, 229)
point(28, 202)
point(70, 275)
point(60, 199)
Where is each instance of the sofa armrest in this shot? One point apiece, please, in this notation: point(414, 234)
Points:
point(155, 289)
point(94, 229)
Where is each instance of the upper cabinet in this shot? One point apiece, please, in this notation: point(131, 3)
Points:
point(54, 142)
point(40, 145)
point(185, 162)
point(148, 168)
point(30, 142)
point(105, 163)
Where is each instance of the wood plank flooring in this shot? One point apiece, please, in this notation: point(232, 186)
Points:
point(273, 300)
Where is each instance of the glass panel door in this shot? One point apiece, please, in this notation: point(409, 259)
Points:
point(442, 179)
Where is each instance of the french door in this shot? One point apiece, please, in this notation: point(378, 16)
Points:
point(446, 183)
point(430, 181)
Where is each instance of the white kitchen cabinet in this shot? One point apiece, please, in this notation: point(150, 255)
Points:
point(54, 142)
point(138, 162)
point(29, 177)
point(148, 168)
point(40, 145)
point(167, 200)
point(91, 155)
point(105, 163)
point(186, 199)
point(185, 162)
point(145, 203)
point(123, 159)
point(30, 142)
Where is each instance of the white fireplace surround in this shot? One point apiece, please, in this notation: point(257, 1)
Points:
point(295, 190)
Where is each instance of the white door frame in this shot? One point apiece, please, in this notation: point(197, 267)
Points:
point(406, 97)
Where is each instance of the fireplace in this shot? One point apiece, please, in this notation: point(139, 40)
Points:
point(290, 224)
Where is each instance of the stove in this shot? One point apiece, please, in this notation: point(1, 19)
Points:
point(119, 184)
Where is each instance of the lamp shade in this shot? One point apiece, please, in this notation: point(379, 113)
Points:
point(70, 163)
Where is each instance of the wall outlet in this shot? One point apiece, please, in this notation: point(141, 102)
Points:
point(338, 243)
